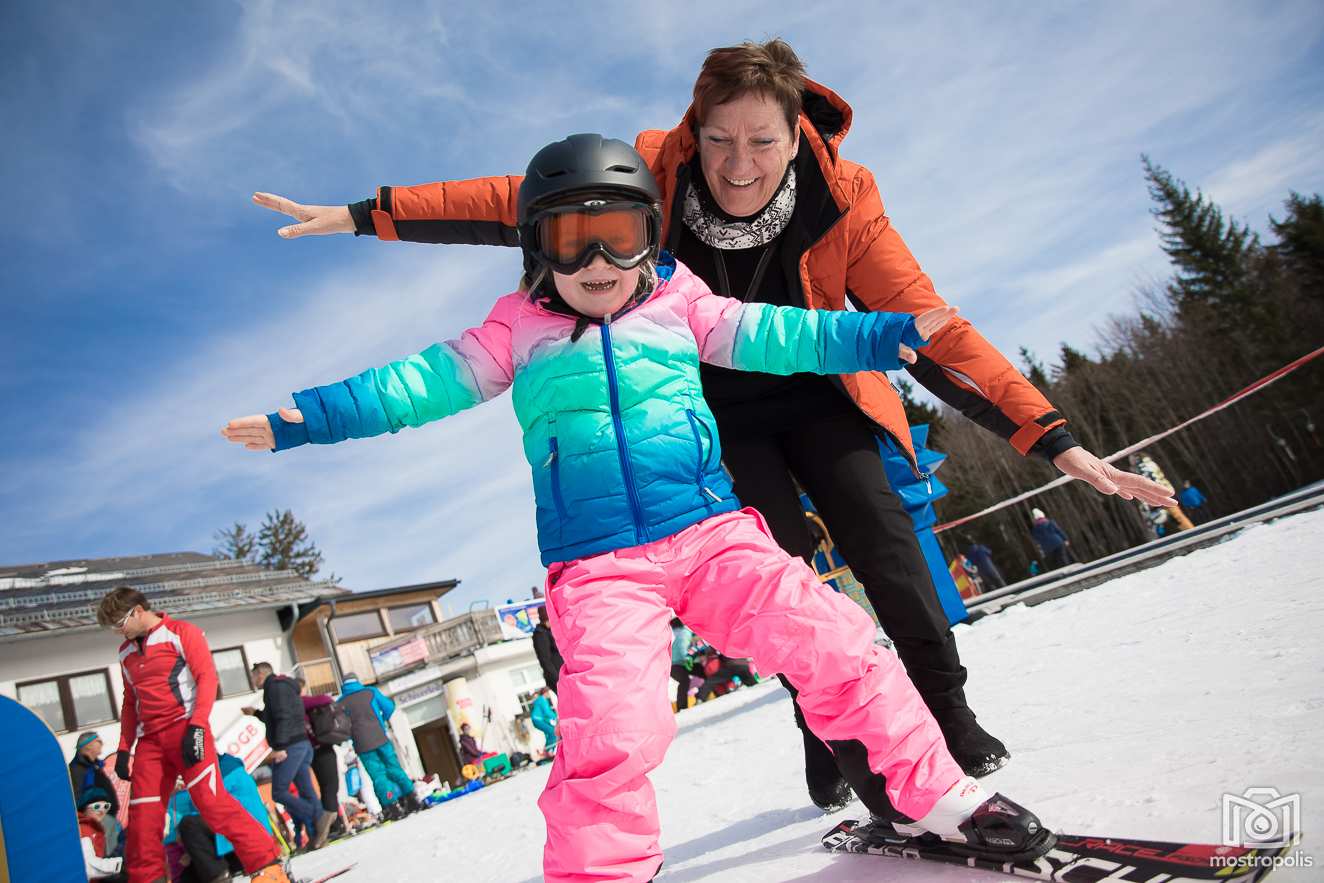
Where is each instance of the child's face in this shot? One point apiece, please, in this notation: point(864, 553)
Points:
point(599, 288)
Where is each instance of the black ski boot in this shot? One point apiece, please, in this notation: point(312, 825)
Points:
point(973, 749)
point(827, 788)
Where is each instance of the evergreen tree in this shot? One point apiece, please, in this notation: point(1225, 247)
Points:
point(1301, 241)
point(235, 543)
point(1073, 360)
point(1209, 251)
point(284, 545)
point(1034, 370)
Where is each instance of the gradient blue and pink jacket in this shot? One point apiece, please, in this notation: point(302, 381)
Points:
point(623, 448)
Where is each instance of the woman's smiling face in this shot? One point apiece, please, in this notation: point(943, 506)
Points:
point(744, 149)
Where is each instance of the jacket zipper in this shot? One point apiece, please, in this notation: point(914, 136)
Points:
point(553, 462)
point(626, 471)
point(701, 460)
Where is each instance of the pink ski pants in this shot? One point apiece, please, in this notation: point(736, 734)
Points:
point(731, 583)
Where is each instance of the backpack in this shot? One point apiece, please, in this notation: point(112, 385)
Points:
point(330, 723)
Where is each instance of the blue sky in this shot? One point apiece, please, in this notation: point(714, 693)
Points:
point(146, 300)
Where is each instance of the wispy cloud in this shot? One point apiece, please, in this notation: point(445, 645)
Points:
point(1005, 144)
point(448, 500)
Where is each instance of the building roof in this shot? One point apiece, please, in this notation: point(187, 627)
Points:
point(436, 589)
point(61, 596)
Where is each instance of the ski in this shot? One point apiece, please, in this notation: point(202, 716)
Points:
point(1078, 858)
point(330, 876)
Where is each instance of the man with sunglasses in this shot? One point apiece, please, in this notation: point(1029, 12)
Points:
point(170, 685)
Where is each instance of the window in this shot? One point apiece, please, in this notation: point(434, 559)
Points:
point(526, 703)
point(231, 671)
point(358, 626)
point(71, 702)
point(410, 617)
point(527, 681)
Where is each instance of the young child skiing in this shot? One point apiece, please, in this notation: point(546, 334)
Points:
point(636, 519)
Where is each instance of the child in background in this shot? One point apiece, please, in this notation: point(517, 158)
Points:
point(636, 519)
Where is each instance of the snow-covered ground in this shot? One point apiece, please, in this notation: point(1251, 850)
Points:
point(1129, 709)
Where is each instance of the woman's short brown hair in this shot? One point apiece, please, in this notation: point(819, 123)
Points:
point(772, 69)
point(117, 604)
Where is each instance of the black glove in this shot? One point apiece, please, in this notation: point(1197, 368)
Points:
point(122, 765)
point(195, 745)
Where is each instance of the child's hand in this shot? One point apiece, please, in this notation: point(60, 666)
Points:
point(254, 432)
point(317, 220)
point(928, 323)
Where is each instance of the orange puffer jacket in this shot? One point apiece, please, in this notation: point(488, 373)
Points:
point(855, 254)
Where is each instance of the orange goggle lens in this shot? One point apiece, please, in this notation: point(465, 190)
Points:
point(564, 237)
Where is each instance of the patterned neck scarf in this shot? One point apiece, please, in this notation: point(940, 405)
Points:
point(716, 229)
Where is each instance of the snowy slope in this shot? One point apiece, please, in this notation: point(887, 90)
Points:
point(1129, 709)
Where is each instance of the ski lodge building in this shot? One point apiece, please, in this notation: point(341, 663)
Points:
point(478, 667)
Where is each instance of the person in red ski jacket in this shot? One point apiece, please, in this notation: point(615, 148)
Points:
point(169, 687)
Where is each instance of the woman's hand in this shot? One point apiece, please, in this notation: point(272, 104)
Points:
point(928, 323)
point(1108, 479)
point(254, 432)
point(317, 220)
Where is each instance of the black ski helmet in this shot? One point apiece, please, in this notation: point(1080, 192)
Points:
point(586, 164)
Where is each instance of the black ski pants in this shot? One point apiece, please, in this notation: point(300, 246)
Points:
point(328, 777)
point(199, 841)
point(683, 681)
point(837, 462)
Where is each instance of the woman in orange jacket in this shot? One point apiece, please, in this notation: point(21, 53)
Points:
point(759, 204)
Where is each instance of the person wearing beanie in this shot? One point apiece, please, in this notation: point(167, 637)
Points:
point(93, 807)
point(87, 769)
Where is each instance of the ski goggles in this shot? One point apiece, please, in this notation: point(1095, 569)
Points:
point(568, 237)
point(101, 806)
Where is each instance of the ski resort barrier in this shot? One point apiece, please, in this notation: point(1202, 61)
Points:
point(1231, 400)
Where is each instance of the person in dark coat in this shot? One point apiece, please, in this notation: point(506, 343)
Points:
point(292, 753)
point(87, 770)
point(369, 709)
point(324, 765)
point(470, 753)
point(544, 647)
point(982, 557)
point(1052, 541)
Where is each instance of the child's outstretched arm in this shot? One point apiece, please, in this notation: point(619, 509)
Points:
point(442, 380)
point(788, 340)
